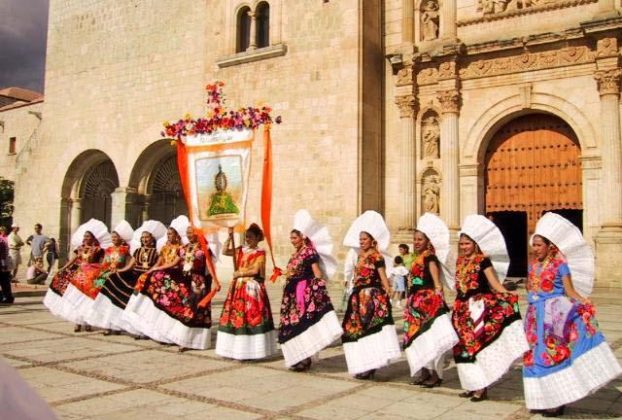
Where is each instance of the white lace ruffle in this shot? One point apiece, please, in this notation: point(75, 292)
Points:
point(312, 340)
point(591, 371)
point(373, 351)
point(431, 345)
point(495, 360)
point(246, 347)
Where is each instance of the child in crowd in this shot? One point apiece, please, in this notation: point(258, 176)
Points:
point(398, 277)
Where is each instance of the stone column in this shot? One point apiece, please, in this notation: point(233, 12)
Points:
point(449, 29)
point(609, 239)
point(119, 198)
point(145, 210)
point(407, 106)
point(450, 158)
point(76, 212)
point(253, 35)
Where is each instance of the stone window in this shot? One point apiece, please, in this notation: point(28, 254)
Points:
point(253, 32)
point(12, 145)
point(262, 19)
point(243, 29)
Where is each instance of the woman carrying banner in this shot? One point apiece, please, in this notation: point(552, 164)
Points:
point(246, 330)
point(308, 320)
point(80, 271)
point(569, 357)
point(369, 339)
point(428, 333)
point(485, 316)
point(118, 286)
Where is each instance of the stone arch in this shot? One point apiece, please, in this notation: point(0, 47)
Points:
point(242, 28)
point(86, 192)
point(479, 135)
point(155, 184)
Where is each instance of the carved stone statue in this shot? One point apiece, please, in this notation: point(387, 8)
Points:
point(430, 194)
point(493, 6)
point(430, 135)
point(429, 20)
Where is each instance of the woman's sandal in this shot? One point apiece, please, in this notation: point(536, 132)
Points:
point(434, 384)
point(369, 375)
point(466, 394)
point(77, 328)
point(481, 396)
point(302, 366)
point(559, 411)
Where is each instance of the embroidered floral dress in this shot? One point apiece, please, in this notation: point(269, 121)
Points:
point(115, 257)
point(428, 332)
point(308, 320)
point(246, 329)
point(117, 288)
point(488, 324)
point(58, 286)
point(88, 270)
point(369, 337)
point(568, 357)
point(120, 286)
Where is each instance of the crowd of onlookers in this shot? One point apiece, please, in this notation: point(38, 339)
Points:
point(43, 255)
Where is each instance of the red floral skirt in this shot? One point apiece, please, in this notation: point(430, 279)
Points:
point(246, 309)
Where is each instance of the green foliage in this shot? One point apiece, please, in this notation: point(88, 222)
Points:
point(7, 191)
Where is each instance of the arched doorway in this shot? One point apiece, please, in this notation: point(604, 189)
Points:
point(86, 193)
point(532, 166)
point(155, 178)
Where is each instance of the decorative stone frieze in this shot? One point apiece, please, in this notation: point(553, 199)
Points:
point(404, 76)
point(527, 62)
point(505, 9)
point(607, 47)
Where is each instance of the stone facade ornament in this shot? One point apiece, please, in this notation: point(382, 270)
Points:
point(430, 136)
point(607, 47)
point(430, 194)
point(406, 105)
point(404, 76)
point(429, 20)
point(608, 81)
point(450, 101)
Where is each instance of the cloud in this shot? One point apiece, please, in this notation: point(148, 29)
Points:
point(23, 35)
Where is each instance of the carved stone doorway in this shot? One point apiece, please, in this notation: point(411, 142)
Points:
point(532, 166)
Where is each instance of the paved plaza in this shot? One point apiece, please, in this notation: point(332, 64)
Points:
point(91, 376)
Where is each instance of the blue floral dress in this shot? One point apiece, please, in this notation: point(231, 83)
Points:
point(568, 357)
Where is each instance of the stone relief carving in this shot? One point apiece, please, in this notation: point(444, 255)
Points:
point(429, 20)
point(404, 77)
point(607, 47)
point(500, 9)
point(527, 61)
point(430, 136)
point(431, 193)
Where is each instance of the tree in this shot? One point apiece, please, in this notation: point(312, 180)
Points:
point(7, 191)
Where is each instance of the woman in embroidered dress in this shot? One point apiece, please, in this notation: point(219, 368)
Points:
point(144, 309)
point(569, 357)
point(485, 315)
point(118, 286)
point(308, 320)
point(369, 340)
point(58, 286)
point(428, 333)
point(81, 281)
point(246, 329)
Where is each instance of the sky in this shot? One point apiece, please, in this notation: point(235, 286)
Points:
point(23, 34)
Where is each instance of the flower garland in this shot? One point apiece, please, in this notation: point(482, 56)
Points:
point(219, 117)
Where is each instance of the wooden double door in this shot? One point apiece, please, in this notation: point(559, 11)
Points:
point(532, 166)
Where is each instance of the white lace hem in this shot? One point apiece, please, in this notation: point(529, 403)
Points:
point(142, 315)
point(373, 351)
point(246, 347)
point(591, 371)
point(495, 360)
point(312, 340)
point(105, 314)
point(77, 305)
point(431, 345)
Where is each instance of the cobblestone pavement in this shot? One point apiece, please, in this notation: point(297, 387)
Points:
point(90, 376)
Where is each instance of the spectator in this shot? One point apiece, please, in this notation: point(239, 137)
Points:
point(15, 245)
point(6, 295)
point(36, 273)
point(50, 252)
point(36, 242)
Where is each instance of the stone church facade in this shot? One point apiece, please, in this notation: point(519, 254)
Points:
point(505, 108)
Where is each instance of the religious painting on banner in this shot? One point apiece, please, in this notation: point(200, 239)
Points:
point(218, 166)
